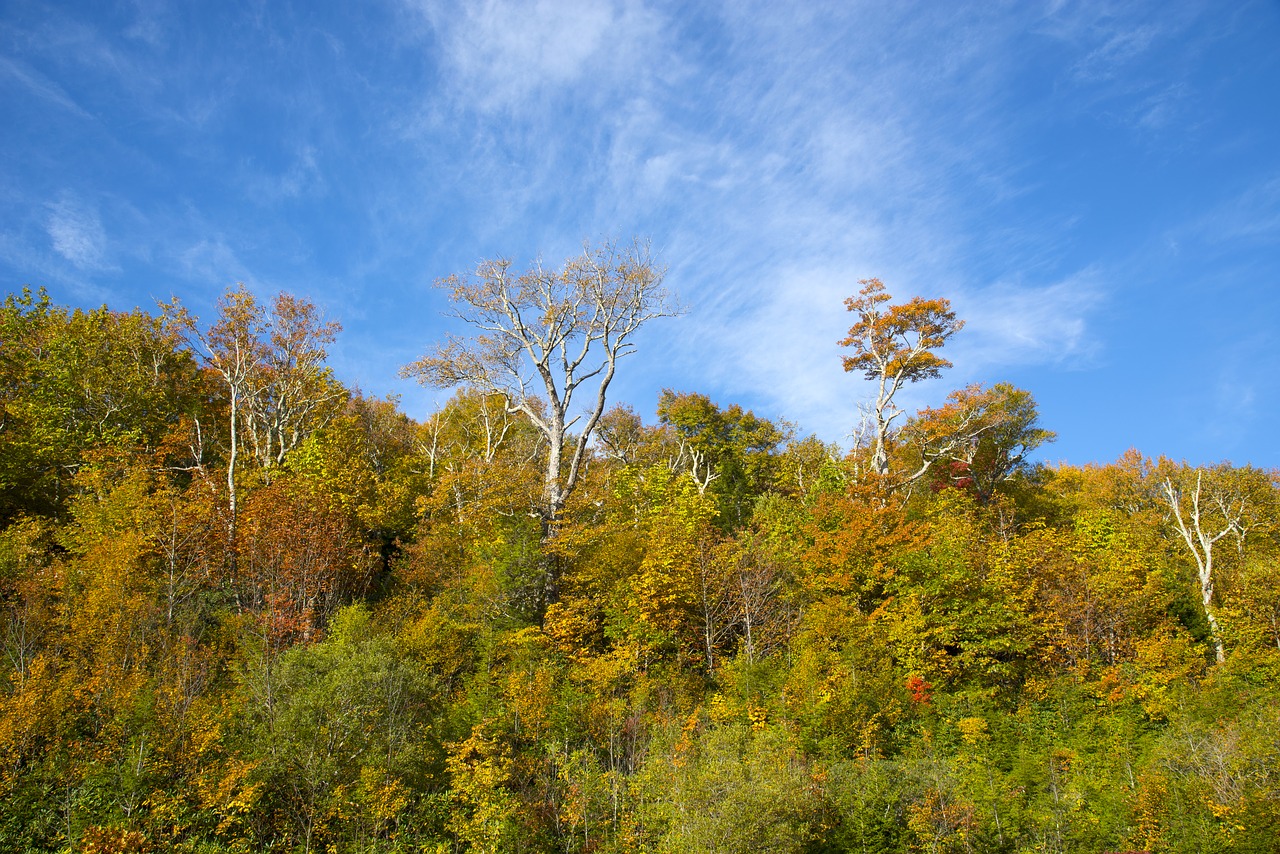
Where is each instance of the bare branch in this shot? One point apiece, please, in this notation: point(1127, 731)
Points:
point(570, 326)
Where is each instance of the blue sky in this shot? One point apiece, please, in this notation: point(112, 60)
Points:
point(1094, 185)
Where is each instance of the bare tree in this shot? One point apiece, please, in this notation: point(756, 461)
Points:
point(545, 336)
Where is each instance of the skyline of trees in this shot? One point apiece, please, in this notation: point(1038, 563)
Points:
point(247, 608)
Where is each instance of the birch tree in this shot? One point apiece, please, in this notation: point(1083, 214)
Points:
point(544, 340)
point(894, 345)
point(232, 348)
point(271, 364)
point(1206, 506)
point(294, 392)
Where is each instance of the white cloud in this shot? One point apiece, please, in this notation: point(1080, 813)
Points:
point(784, 350)
point(42, 86)
point(801, 178)
point(1250, 215)
point(1120, 47)
point(76, 232)
point(302, 178)
point(213, 261)
point(778, 343)
point(150, 25)
point(1010, 325)
point(778, 154)
point(502, 53)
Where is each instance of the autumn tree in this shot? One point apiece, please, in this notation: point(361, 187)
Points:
point(894, 345)
point(346, 737)
point(78, 383)
point(744, 789)
point(730, 452)
point(622, 437)
point(545, 337)
point(754, 587)
point(480, 473)
point(232, 348)
point(365, 464)
point(1208, 505)
point(295, 392)
point(803, 465)
point(676, 592)
point(1255, 592)
point(271, 365)
point(979, 439)
point(298, 561)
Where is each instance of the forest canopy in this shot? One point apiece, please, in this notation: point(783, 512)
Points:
point(247, 608)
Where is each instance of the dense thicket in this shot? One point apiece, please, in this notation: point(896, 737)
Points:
point(247, 609)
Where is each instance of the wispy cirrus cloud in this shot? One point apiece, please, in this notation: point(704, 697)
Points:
point(1251, 215)
point(776, 156)
point(501, 55)
point(214, 262)
point(41, 86)
point(76, 233)
point(1020, 159)
point(824, 179)
point(1009, 324)
point(302, 178)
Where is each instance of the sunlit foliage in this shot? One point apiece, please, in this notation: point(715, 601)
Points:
point(263, 612)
